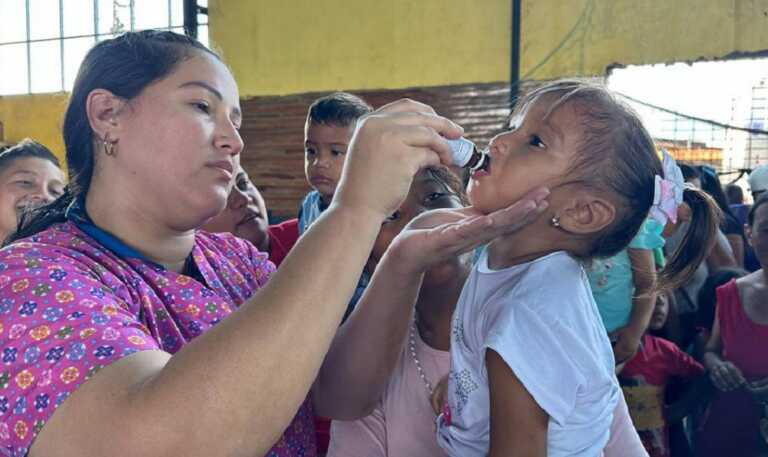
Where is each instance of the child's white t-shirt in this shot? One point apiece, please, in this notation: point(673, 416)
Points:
point(540, 317)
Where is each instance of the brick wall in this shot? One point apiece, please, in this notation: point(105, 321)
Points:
point(273, 130)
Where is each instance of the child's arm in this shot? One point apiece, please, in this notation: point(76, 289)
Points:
point(518, 424)
point(643, 302)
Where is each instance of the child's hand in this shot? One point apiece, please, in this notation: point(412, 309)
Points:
point(439, 235)
point(726, 376)
point(440, 396)
point(627, 343)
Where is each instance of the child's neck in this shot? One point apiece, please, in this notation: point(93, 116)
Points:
point(521, 247)
point(434, 310)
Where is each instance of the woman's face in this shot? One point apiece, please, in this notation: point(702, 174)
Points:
point(426, 193)
point(245, 215)
point(178, 145)
point(758, 234)
point(25, 183)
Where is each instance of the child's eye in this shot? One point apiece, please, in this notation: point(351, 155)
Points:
point(309, 151)
point(337, 152)
point(242, 184)
point(395, 216)
point(536, 142)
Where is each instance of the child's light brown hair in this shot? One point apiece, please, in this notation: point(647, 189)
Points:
point(617, 158)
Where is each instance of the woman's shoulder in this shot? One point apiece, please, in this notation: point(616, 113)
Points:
point(240, 252)
point(59, 240)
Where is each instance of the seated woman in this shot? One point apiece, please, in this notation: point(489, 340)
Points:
point(246, 217)
point(127, 331)
point(30, 176)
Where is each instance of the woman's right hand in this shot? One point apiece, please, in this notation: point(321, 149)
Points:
point(388, 148)
point(726, 376)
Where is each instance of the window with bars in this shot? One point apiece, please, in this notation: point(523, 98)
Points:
point(42, 42)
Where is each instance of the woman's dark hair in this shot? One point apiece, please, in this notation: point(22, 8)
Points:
point(690, 172)
point(618, 158)
point(735, 194)
point(446, 177)
point(125, 66)
point(24, 149)
point(705, 316)
point(710, 184)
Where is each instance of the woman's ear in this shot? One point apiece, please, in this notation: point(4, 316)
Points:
point(586, 214)
point(103, 108)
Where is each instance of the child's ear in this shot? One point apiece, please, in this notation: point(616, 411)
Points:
point(586, 214)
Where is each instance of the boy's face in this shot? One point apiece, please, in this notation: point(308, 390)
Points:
point(538, 151)
point(27, 182)
point(325, 147)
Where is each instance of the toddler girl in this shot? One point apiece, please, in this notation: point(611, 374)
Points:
point(532, 367)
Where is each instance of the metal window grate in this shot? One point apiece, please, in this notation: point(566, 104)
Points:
point(52, 37)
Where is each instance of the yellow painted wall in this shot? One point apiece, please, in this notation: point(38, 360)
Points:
point(590, 35)
point(295, 46)
point(283, 47)
point(36, 116)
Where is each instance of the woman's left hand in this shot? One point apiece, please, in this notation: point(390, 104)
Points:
point(439, 235)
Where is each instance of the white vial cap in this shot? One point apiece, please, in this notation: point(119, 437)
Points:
point(462, 150)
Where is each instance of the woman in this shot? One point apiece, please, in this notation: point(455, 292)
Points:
point(30, 176)
point(122, 336)
point(735, 356)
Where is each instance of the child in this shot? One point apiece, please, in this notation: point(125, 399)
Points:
point(645, 377)
point(30, 176)
point(327, 133)
point(622, 286)
point(532, 368)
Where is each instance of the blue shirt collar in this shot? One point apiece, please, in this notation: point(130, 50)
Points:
point(77, 214)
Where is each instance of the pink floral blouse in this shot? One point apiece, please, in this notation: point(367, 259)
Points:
point(69, 306)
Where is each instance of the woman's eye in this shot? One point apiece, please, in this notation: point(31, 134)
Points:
point(25, 183)
point(202, 107)
point(395, 216)
point(536, 142)
point(435, 196)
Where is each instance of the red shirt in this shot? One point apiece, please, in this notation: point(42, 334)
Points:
point(644, 381)
point(744, 341)
point(282, 237)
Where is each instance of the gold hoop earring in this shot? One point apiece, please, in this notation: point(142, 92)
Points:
point(110, 147)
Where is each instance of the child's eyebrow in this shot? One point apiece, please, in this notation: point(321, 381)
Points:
point(555, 129)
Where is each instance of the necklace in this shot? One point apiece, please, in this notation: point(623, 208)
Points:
point(412, 349)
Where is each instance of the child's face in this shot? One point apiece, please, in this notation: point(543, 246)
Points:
point(660, 312)
point(325, 147)
point(426, 193)
point(538, 151)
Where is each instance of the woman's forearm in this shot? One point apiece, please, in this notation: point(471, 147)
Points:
point(250, 373)
point(367, 347)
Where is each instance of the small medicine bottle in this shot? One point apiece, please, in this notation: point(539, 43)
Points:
point(466, 155)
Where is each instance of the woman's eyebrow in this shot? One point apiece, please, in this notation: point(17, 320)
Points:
point(216, 93)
